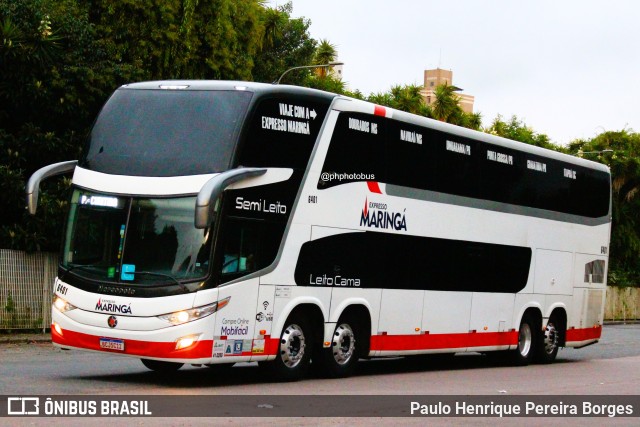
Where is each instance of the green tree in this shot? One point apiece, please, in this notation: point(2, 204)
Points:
point(517, 130)
point(230, 34)
point(50, 92)
point(620, 150)
point(447, 104)
point(446, 108)
point(326, 53)
point(408, 98)
point(205, 39)
point(327, 83)
point(61, 59)
point(473, 121)
point(285, 43)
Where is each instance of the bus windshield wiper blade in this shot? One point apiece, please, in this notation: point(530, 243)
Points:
point(76, 266)
point(168, 276)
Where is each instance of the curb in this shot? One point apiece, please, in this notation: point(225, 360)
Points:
point(622, 322)
point(25, 338)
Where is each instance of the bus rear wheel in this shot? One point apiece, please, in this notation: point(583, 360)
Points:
point(341, 358)
point(294, 351)
point(528, 335)
point(550, 342)
point(160, 366)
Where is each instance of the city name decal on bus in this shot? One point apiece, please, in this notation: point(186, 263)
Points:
point(506, 159)
point(363, 126)
point(260, 206)
point(375, 215)
point(410, 136)
point(112, 307)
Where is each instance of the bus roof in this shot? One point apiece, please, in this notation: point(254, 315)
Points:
point(355, 105)
point(260, 88)
point(344, 103)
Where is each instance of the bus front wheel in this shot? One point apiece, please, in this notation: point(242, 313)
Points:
point(294, 351)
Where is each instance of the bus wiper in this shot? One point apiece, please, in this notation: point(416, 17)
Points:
point(77, 266)
point(168, 276)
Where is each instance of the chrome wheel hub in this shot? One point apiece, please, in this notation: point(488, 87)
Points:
point(344, 344)
point(550, 338)
point(525, 339)
point(292, 346)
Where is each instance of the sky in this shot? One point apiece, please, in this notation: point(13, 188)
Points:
point(568, 69)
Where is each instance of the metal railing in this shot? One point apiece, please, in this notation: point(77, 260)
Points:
point(26, 283)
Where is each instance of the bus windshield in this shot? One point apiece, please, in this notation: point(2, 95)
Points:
point(135, 240)
point(145, 132)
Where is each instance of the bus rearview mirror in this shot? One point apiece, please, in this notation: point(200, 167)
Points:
point(33, 185)
point(209, 193)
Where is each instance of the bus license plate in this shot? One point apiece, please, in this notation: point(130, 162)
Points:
point(112, 344)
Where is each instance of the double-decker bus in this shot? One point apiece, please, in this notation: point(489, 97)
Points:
point(220, 222)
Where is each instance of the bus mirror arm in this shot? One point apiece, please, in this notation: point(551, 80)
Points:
point(33, 185)
point(209, 193)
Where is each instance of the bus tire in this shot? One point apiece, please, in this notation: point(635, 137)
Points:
point(528, 336)
point(160, 366)
point(294, 350)
point(550, 341)
point(340, 360)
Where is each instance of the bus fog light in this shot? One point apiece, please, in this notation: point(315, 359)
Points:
point(184, 316)
point(57, 328)
point(187, 341)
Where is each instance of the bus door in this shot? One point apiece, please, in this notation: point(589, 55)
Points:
point(250, 231)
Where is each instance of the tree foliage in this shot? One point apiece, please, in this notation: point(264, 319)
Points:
point(49, 92)
point(286, 43)
point(326, 53)
point(517, 130)
point(61, 59)
point(620, 150)
point(446, 107)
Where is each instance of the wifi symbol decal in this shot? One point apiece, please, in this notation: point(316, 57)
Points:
point(265, 304)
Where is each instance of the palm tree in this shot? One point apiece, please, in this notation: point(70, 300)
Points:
point(273, 21)
point(447, 103)
point(325, 54)
point(408, 98)
point(474, 121)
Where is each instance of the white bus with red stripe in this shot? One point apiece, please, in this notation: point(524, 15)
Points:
point(221, 222)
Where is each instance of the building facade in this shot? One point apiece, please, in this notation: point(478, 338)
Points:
point(437, 77)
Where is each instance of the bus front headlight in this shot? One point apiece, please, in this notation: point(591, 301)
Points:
point(62, 305)
point(184, 316)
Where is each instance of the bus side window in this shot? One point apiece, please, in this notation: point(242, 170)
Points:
point(247, 246)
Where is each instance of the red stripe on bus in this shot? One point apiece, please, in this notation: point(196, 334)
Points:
point(441, 341)
point(271, 345)
point(165, 350)
point(204, 348)
point(584, 334)
point(374, 187)
point(379, 110)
